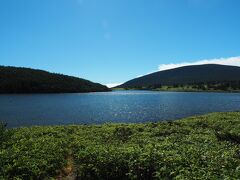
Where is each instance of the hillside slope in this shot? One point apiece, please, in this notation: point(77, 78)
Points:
point(188, 75)
point(25, 80)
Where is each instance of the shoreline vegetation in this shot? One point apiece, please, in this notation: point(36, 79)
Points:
point(217, 87)
point(199, 147)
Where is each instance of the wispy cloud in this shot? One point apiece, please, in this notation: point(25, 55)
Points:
point(107, 36)
point(106, 26)
point(110, 85)
point(234, 61)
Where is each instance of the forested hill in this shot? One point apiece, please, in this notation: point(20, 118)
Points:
point(209, 74)
point(26, 80)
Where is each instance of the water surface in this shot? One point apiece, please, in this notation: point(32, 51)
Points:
point(116, 106)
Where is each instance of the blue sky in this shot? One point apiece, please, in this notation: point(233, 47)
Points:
point(112, 41)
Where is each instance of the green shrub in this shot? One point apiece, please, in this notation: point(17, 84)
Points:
point(3, 133)
point(203, 147)
point(123, 133)
point(226, 136)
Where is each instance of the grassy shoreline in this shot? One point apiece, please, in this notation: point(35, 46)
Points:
point(199, 147)
point(177, 90)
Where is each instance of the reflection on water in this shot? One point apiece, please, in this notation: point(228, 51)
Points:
point(116, 106)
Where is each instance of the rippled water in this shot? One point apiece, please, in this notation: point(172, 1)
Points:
point(116, 106)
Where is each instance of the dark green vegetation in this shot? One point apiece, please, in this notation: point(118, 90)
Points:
point(190, 78)
point(25, 80)
point(203, 147)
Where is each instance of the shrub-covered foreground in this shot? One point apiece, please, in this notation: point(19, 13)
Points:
point(203, 147)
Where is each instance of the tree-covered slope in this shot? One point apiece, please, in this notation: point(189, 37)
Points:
point(188, 75)
point(25, 80)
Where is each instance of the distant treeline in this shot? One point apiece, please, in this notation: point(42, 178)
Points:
point(221, 86)
point(25, 80)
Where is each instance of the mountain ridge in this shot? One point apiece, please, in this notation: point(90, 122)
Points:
point(28, 80)
point(187, 75)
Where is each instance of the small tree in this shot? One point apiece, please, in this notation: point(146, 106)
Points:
point(175, 85)
point(155, 86)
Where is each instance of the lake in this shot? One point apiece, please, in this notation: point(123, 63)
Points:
point(116, 106)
